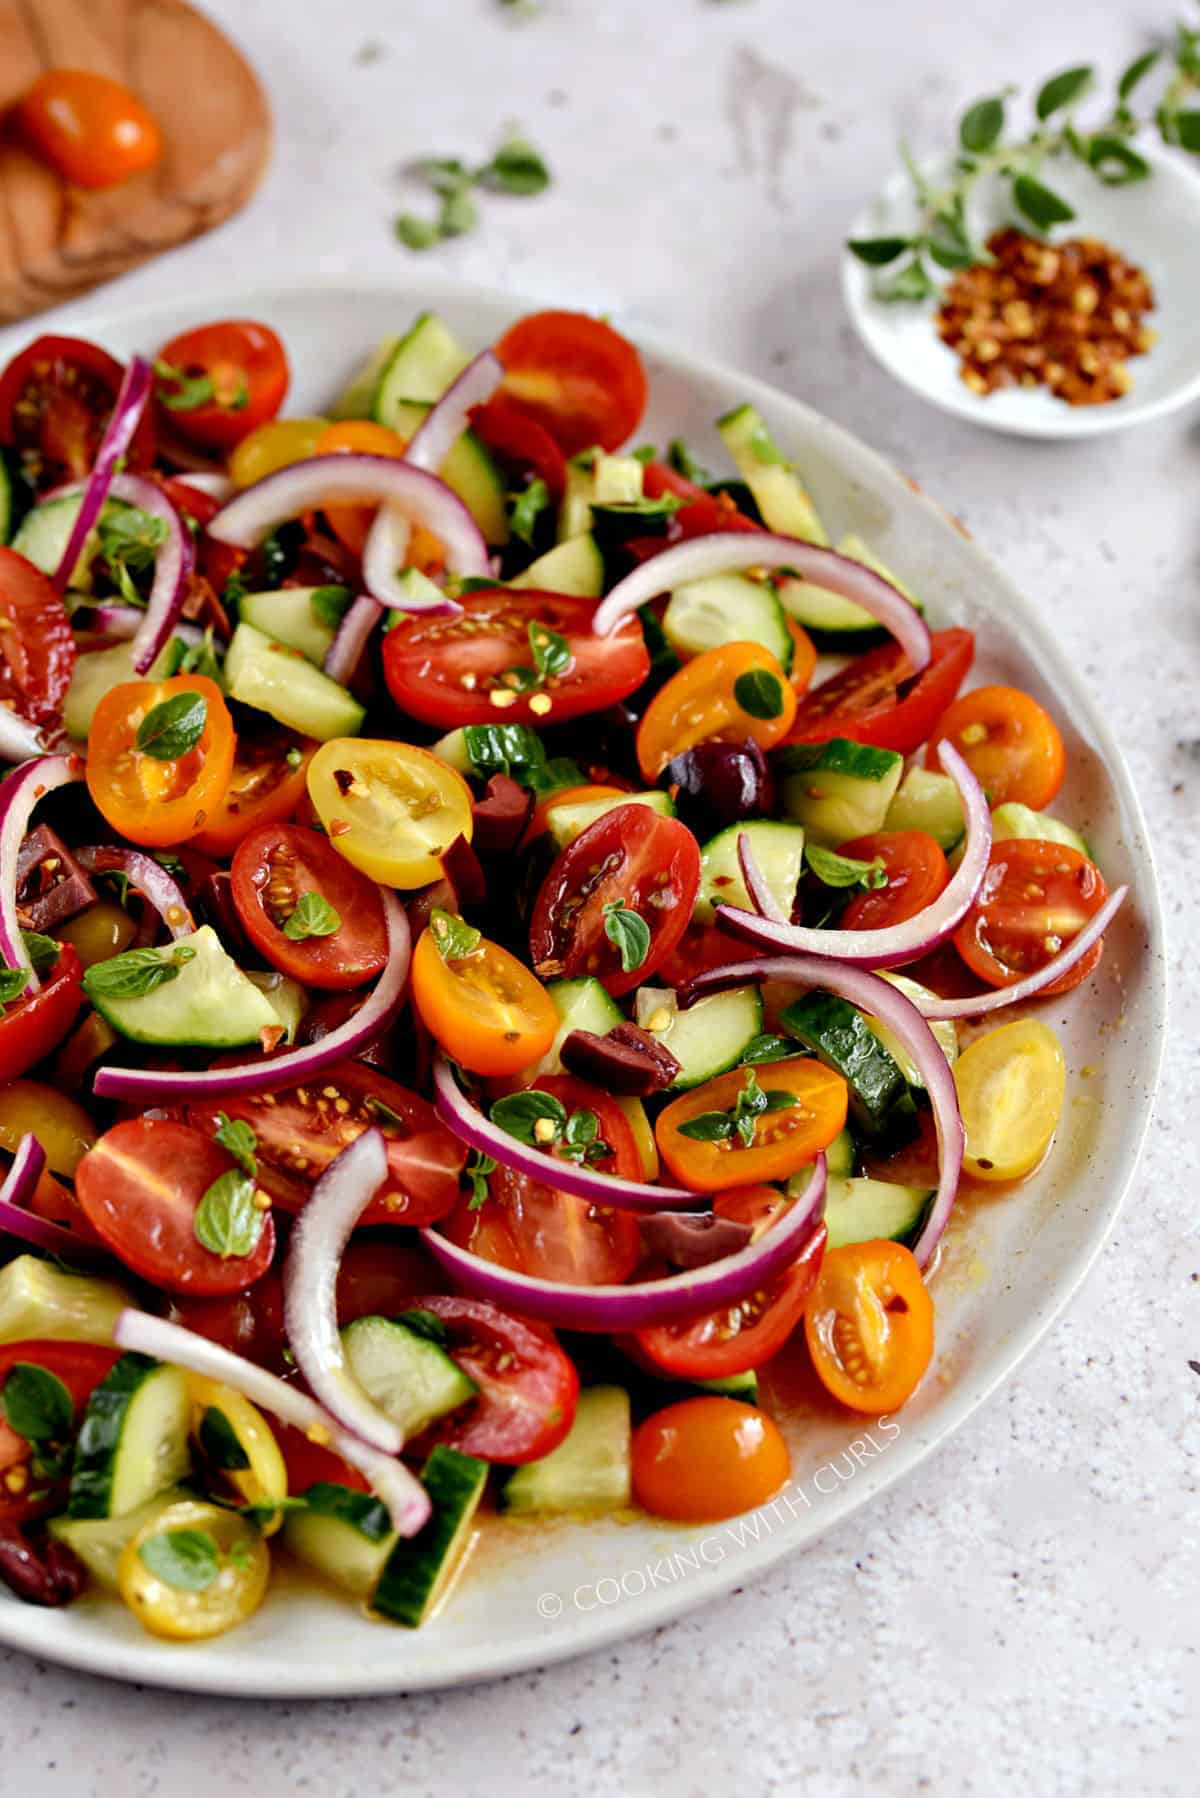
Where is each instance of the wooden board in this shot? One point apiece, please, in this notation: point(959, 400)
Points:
point(57, 241)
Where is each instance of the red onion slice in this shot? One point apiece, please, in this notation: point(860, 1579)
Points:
point(471, 1126)
point(983, 1003)
point(150, 1086)
point(204, 480)
point(19, 794)
point(353, 633)
point(147, 876)
point(761, 896)
point(639, 1307)
point(896, 943)
point(19, 740)
point(16, 1220)
point(173, 563)
point(126, 416)
point(441, 428)
point(405, 1497)
point(887, 1003)
point(123, 622)
point(724, 552)
point(321, 1233)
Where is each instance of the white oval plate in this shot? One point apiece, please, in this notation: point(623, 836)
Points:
point(1156, 223)
point(544, 1591)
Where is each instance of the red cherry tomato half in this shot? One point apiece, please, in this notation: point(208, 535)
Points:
point(80, 1366)
point(30, 1028)
point(381, 1274)
point(310, 1463)
point(272, 869)
point(633, 860)
point(228, 379)
point(876, 701)
point(528, 1386)
point(525, 447)
point(37, 644)
point(575, 376)
point(249, 1323)
point(56, 398)
point(1035, 899)
point(916, 873)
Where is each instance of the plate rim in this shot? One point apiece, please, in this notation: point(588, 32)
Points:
point(187, 1667)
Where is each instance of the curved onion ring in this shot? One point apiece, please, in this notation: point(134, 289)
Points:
point(353, 633)
point(19, 740)
point(39, 1232)
point(441, 428)
point(19, 794)
point(126, 417)
point(930, 1006)
point(148, 876)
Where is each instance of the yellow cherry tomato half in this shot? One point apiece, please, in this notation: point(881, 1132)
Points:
point(707, 1458)
point(228, 1428)
point(390, 809)
point(726, 694)
point(1011, 1085)
point(486, 1009)
point(63, 1128)
point(194, 1570)
point(277, 444)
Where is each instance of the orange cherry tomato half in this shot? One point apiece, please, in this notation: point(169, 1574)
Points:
point(486, 1009)
point(916, 873)
point(1008, 741)
point(730, 693)
point(786, 1136)
point(869, 1325)
point(575, 376)
point(707, 1458)
point(220, 382)
point(268, 783)
point(804, 655)
point(92, 130)
point(150, 800)
point(1035, 898)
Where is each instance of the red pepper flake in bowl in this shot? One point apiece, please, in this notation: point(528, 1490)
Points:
point(1067, 316)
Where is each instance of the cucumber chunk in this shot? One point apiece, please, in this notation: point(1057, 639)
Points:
point(210, 1002)
point(590, 1470)
point(133, 1441)
point(286, 997)
point(709, 1038)
point(777, 848)
point(828, 615)
point(469, 470)
point(1012, 821)
point(98, 1541)
point(596, 479)
point(727, 608)
point(929, 801)
point(303, 618)
point(839, 1156)
point(44, 533)
point(778, 490)
point(874, 1211)
point(358, 396)
point(581, 1005)
point(419, 366)
point(575, 567)
point(96, 674)
point(840, 1036)
point(944, 1031)
point(565, 822)
point(419, 1570)
point(410, 1378)
point(40, 1301)
point(15, 494)
point(279, 681)
point(328, 1541)
point(837, 790)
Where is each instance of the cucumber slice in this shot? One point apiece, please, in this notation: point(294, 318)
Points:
point(565, 822)
point(44, 533)
point(274, 679)
point(596, 479)
point(827, 614)
point(778, 491)
point(469, 470)
point(39, 1301)
point(575, 567)
point(709, 1038)
point(303, 618)
point(929, 801)
point(419, 366)
point(582, 1005)
point(96, 674)
point(840, 1036)
point(418, 1571)
point(1012, 821)
point(325, 1539)
point(287, 999)
point(837, 790)
point(839, 1156)
point(358, 396)
point(133, 1441)
point(210, 1002)
point(727, 608)
point(98, 1541)
point(873, 1211)
point(590, 1470)
point(410, 1378)
point(779, 851)
point(15, 495)
point(944, 1031)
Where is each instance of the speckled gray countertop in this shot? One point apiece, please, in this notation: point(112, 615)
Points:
point(1023, 1615)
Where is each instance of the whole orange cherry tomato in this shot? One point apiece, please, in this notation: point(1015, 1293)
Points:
point(146, 792)
point(88, 127)
point(1009, 743)
point(869, 1324)
point(730, 693)
point(787, 1112)
point(483, 1005)
point(707, 1458)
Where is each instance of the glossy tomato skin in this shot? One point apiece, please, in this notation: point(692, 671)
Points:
point(520, 443)
point(140, 1188)
point(486, 1009)
point(870, 1291)
point(916, 872)
point(784, 1139)
point(1010, 743)
point(158, 803)
point(37, 644)
point(272, 868)
point(247, 369)
point(264, 788)
point(864, 701)
point(30, 1028)
point(382, 1274)
point(310, 1463)
point(56, 398)
point(701, 704)
point(1035, 898)
point(91, 129)
point(301, 1128)
point(248, 1323)
point(650, 863)
point(528, 1386)
point(701, 947)
point(80, 1366)
point(575, 376)
point(707, 1458)
point(427, 660)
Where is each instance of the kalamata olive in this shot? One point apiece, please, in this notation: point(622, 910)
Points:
point(51, 885)
point(693, 1241)
point(719, 784)
point(51, 1575)
point(501, 817)
point(628, 1060)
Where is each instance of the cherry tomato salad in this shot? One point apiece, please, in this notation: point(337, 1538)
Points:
point(487, 910)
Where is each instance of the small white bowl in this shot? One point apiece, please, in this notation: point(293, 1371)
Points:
point(1155, 223)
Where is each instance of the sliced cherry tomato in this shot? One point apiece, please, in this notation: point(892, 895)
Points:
point(273, 869)
point(56, 398)
point(526, 448)
point(575, 376)
point(701, 515)
point(786, 1136)
point(707, 1458)
point(351, 525)
point(381, 1274)
point(249, 1323)
point(391, 809)
point(630, 859)
point(140, 1188)
point(1009, 742)
point(729, 694)
point(92, 130)
point(485, 1008)
point(267, 786)
point(301, 1128)
point(80, 1366)
point(57, 1203)
point(804, 656)
point(63, 1128)
point(869, 1325)
point(226, 380)
point(31, 1027)
point(150, 800)
point(452, 671)
point(1035, 899)
point(703, 946)
point(877, 701)
point(276, 444)
point(311, 1463)
point(37, 644)
point(916, 873)
point(528, 1386)
point(738, 1337)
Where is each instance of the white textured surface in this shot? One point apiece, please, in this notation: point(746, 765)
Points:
point(1022, 1616)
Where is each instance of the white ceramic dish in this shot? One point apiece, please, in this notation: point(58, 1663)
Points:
point(1156, 223)
point(543, 1592)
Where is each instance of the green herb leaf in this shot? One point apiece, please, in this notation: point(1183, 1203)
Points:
point(981, 125)
point(453, 937)
point(13, 982)
point(416, 233)
point(759, 693)
point(383, 1114)
point(426, 1324)
point(1114, 161)
point(459, 214)
point(876, 252)
point(173, 729)
point(551, 652)
point(313, 916)
point(1186, 127)
point(708, 1126)
point(835, 870)
point(129, 537)
point(768, 1048)
point(478, 1167)
point(629, 933)
point(1040, 205)
point(445, 174)
point(43, 951)
point(237, 1138)
point(1138, 69)
point(361, 1510)
point(912, 283)
point(533, 1117)
point(527, 508)
point(198, 658)
point(516, 168)
point(645, 452)
point(36, 1404)
point(780, 1101)
point(220, 1443)
point(329, 605)
point(227, 1221)
point(180, 392)
point(948, 256)
point(681, 459)
point(136, 973)
point(581, 1140)
point(188, 1560)
point(1063, 90)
